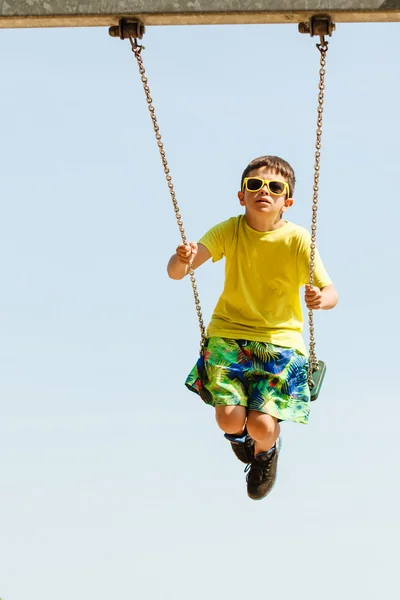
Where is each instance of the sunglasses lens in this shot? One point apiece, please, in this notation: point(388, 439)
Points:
point(276, 187)
point(253, 184)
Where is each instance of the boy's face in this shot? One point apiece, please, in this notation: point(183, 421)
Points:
point(262, 201)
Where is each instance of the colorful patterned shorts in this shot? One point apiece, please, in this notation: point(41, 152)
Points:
point(257, 375)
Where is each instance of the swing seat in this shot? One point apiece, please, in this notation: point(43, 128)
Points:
point(318, 377)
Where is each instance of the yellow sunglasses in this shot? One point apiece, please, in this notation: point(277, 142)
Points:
point(255, 184)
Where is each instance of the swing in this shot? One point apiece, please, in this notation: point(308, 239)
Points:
point(321, 25)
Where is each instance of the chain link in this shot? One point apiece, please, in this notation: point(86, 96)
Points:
point(323, 48)
point(137, 50)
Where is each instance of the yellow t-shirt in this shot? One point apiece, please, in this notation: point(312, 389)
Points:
point(264, 272)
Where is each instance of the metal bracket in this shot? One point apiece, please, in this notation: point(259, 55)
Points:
point(128, 29)
point(321, 25)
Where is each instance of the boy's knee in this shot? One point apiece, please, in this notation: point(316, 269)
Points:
point(260, 425)
point(231, 419)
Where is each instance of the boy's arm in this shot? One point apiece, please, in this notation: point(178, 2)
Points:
point(186, 255)
point(324, 298)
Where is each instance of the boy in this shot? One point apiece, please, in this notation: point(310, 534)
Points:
point(254, 369)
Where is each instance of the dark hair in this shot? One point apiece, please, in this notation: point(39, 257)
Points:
point(274, 163)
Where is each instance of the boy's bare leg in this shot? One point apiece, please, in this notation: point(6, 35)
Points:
point(231, 419)
point(261, 473)
point(264, 430)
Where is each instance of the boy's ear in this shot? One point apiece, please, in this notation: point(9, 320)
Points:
point(241, 198)
point(288, 203)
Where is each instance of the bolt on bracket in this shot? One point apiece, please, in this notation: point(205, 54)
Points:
point(321, 25)
point(134, 28)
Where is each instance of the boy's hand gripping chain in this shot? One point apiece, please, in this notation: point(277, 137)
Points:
point(133, 31)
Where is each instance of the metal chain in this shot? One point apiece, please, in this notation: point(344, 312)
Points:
point(137, 50)
point(323, 48)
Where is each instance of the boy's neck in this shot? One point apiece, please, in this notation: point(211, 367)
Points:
point(262, 223)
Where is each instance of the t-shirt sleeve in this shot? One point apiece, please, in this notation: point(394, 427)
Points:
point(216, 240)
point(321, 277)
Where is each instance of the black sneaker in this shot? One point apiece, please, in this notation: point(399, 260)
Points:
point(243, 447)
point(261, 473)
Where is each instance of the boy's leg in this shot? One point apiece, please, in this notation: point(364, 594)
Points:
point(232, 420)
point(261, 476)
point(264, 430)
point(222, 386)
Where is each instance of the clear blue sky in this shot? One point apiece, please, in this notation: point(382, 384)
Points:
point(115, 481)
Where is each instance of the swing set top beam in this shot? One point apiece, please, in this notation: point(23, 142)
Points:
point(97, 13)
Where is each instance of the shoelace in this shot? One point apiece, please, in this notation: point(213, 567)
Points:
point(258, 470)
